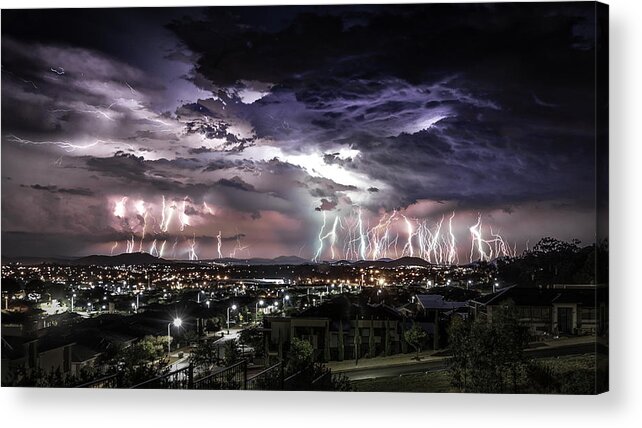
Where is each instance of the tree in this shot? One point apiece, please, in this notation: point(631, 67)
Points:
point(341, 350)
point(143, 360)
point(253, 338)
point(232, 352)
point(300, 355)
point(460, 348)
point(416, 337)
point(204, 355)
point(488, 356)
point(213, 324)
point(551, 261)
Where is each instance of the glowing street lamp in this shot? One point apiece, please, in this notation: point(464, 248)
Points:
point(233, 307)
point(285, 299)
point(177, 323)
point(256, 308)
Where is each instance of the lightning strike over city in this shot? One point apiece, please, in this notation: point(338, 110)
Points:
point(254, 166)
point(197, 197)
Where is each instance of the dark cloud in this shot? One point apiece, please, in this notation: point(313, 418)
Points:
point(236, 182)
point(462, 111)
point(326, 205)
point(79, 191)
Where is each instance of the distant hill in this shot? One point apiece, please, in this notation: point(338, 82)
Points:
point(30, 261)
point(281, 260)
point(146, 259)
point(387, 263)
point(120, 259)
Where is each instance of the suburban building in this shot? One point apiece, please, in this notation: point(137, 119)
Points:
point(559, 309)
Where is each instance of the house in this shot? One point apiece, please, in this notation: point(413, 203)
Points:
point(49, 353)
point(433, 312)
point(338, 330)
point(559, 309)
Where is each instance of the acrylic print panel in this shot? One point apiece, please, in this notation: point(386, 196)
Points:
point(348, 198)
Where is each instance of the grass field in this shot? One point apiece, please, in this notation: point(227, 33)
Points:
point(429, 382)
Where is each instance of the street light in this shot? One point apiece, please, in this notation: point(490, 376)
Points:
point(233, 307)
point(256, 309)
point(285, 299)
point(72, 301)
point(177, 323)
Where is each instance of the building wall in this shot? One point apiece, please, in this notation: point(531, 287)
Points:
point(54, 359)
point(544, 319)
point(317, 331)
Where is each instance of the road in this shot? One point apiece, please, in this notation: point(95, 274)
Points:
point(440, 364)
point(219, 343)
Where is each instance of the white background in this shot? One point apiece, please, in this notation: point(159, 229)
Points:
point(622, 406)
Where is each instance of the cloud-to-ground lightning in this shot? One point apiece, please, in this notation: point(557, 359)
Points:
point(219, 245)
point(434, 242)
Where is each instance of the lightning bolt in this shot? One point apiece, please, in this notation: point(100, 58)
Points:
point(192, 249)
point(408, 248)
point(362, 237)
point(452, 246)
point(65, 145)
point(218, 245)
point(318, 253)
point(130, 245)
point(119, 208)
point(162, 249)
point(478, 243)
point(152, 250)
point(182, 217)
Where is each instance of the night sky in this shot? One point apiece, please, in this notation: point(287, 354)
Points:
point(251, 125)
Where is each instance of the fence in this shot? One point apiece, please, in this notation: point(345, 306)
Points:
point(111, 381)
point(311, 378)
point(270, 379)
point(178, 379)
point(232, 377)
